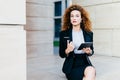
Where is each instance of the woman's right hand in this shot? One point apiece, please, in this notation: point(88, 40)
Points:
point(70, 47)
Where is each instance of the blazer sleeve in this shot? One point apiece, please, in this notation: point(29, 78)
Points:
point(62, 46)
point(91, 40)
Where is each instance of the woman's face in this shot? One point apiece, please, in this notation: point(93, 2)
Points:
point(75, 17)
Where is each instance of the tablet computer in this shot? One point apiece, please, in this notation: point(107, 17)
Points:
point(84, 45)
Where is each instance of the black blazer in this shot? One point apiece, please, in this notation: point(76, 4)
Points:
point(67, 35)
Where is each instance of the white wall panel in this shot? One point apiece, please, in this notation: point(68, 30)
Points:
point(103, 42)
point(12, 12)
point(12, 53)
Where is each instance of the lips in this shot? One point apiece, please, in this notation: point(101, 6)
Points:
point(74, 21)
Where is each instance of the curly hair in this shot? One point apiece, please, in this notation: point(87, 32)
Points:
point(85, 23)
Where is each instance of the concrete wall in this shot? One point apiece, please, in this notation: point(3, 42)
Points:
point(12, 40)
point(105, 16)
point(40, 28)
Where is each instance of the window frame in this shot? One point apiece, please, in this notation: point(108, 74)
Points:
point(64, 5)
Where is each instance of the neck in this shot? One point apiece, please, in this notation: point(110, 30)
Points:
point(76, 28)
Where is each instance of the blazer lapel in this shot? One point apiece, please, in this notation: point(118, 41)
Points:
point(70, 34)
point(84, 35)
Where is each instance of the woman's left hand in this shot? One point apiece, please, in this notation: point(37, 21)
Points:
point(87, 50)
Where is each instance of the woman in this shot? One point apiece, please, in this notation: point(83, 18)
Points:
point(76, 29)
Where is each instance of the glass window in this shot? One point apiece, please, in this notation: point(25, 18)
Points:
point(65, 3)
point(57, 27)
point(58, 8)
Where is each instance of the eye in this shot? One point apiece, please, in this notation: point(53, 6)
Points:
point(77, 16)
point(71, 16)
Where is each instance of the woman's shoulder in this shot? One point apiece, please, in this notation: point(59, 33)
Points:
point(64, 31)
point(88, 32)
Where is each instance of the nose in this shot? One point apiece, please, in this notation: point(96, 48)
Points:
point(74, 18)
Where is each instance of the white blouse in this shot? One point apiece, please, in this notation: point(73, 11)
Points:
point(77, 37)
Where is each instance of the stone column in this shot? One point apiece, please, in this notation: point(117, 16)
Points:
point(40, 28)
point(12, 40)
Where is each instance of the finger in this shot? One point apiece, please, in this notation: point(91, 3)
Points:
point(88, 48)
point(84, 48)
point(71, 43)
point(68, 41)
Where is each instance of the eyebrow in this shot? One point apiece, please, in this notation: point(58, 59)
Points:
point(75, 14)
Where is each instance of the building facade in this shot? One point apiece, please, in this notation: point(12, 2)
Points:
point(44, 23)
point(105, 16)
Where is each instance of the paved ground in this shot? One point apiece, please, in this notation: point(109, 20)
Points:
point(49, 68)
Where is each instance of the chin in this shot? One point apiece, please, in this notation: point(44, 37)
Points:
point(75, 24)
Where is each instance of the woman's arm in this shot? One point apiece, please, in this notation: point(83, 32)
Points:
point(62, 46)
point(92, 48)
